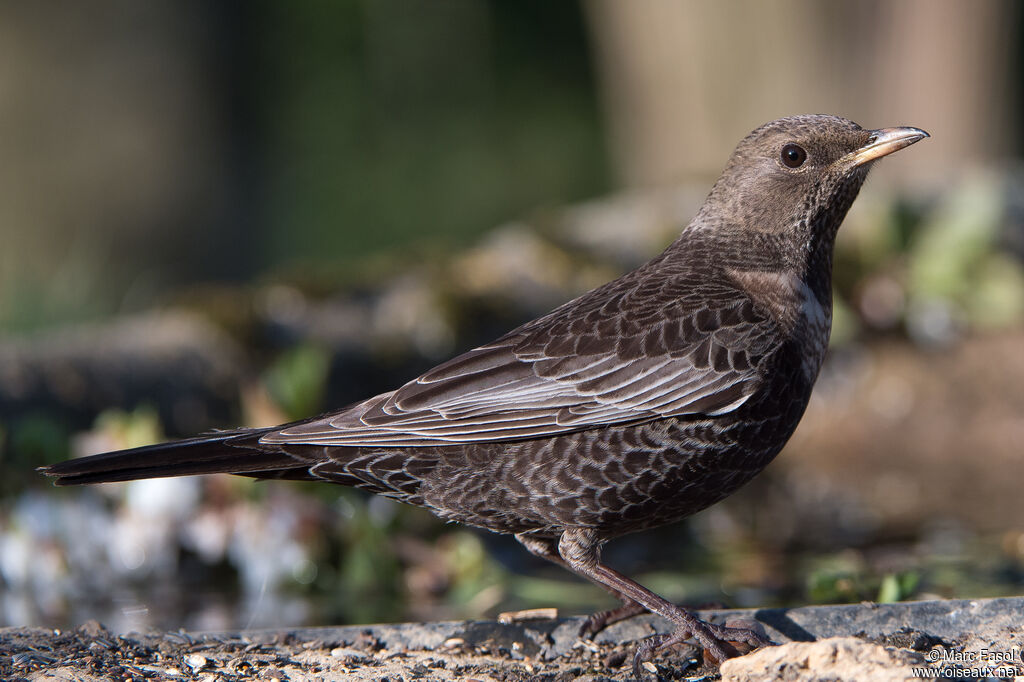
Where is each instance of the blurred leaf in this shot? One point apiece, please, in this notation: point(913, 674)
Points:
point(478, 582)
point(298, 379)
point(890, 591)
point(955, 241)
point(836, 578)
point(38, 437)
point(368, 585)
point(897, 587)
point(830, 588)
point(25, 443)
point(997, 299)
point(132, 429)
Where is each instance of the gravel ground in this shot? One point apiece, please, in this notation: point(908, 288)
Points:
point(965, 639)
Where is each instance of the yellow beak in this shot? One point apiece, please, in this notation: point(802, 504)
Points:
point(885, 141)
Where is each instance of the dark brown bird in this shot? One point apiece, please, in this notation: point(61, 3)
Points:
point(637, 404)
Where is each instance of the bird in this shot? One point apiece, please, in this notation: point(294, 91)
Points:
point(637, 404)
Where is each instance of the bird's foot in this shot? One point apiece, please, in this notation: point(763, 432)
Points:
point(719, 642)
point(602, 619)
point(742, 639)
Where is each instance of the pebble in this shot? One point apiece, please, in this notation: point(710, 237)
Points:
point(347, 652)
point(510, 617)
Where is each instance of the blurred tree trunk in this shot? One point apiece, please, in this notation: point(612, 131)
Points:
point(678, 92)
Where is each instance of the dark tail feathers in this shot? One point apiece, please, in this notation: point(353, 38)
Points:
point(231, 452)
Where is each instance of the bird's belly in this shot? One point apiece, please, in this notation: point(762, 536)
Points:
point(685, 467)
point(616, 479)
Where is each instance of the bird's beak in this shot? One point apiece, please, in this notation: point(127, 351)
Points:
point(885, 141)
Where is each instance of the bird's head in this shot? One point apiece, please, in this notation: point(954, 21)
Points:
point(799, 175)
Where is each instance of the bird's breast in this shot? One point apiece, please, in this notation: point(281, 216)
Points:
point(812, 329)
point(799, 313)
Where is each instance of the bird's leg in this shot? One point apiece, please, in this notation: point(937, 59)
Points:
point(580, 550)
point(546, 549)
point(595, 622)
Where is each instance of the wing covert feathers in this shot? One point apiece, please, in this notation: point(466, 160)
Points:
point(596, 361)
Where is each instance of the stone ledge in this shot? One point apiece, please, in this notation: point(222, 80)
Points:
point(527, 650)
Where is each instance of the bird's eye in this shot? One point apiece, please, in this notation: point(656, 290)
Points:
point(793, 155)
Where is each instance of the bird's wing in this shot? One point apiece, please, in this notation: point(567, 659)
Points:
point(622, 354)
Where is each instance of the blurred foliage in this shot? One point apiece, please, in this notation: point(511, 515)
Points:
point(27, 442)
point(933, 268)
point(37, 437)
point(303, 138)
point(368, 581)
point(845, 579)
point(419, 124)
point(957, 257)
point(297, 380)
point(132, 429)
point(834, 584)
point(898, 587)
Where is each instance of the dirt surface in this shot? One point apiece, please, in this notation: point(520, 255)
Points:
point(975, 639)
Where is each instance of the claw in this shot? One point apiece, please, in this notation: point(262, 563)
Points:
point(594, 623)
point(602, 619)
point(719, 642)
point(751, 634)
point(645, 651)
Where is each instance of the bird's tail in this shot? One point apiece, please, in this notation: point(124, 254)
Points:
point(232, 452)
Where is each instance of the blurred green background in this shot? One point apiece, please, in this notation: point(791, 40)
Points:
point(236, 213)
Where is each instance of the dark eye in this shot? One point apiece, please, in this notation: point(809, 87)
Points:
point(793, 155)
